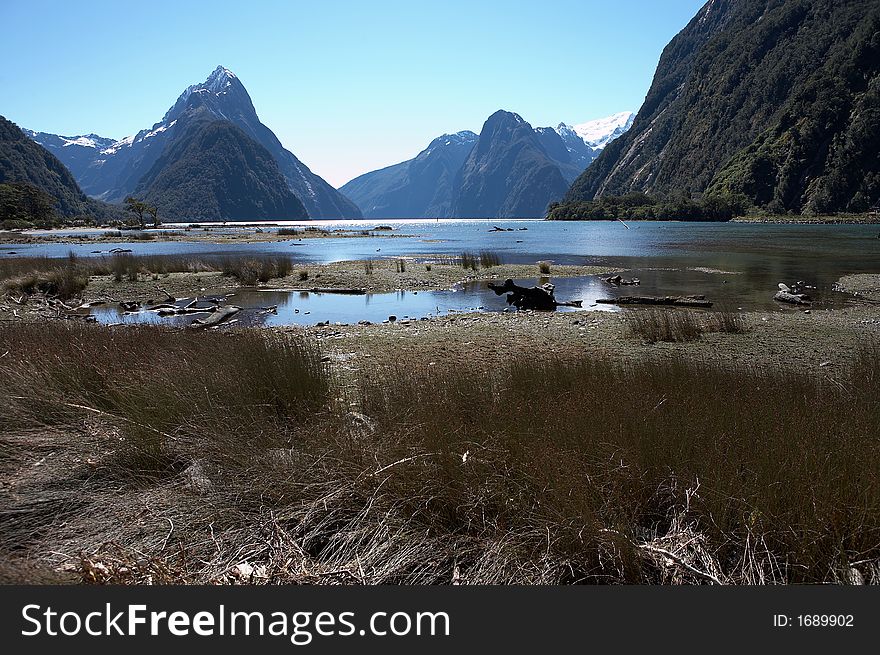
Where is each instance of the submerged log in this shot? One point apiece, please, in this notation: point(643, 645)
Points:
point(347, 292)
point(218, 317)
point(539, 298)
point(677, 301)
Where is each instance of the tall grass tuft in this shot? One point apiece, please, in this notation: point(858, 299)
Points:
point(483, 259)
point(244, 449)
point(60, 278)
point(653, 325)
point(252, 270)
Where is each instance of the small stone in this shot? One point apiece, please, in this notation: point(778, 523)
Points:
point(392, 318)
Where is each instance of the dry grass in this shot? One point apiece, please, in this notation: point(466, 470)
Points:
point(57, 278)
point(653, 325)
point(483, 259)
point(251, 270)
point(235, 457)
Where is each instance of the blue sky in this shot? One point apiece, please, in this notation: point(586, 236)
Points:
point(347, 86)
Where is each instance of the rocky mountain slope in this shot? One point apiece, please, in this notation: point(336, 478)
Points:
point(774, 101)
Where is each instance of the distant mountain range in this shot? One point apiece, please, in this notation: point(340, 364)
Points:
point(509, 170)
point(111, 170)
point(775, 102)
point(24, 162)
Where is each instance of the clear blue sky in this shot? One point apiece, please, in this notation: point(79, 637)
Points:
point(347, 86)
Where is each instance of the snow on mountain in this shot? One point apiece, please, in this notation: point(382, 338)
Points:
point(600, 132)
point(118, 145)
point(84, 140)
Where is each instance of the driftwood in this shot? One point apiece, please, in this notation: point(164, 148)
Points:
point(793, 295)
point(621, 281)
point(540, 298)
point(792, 298)
point(218, 317)
point(168, 296)
point(678, 301)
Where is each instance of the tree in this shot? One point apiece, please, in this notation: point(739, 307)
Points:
point(153, 211)
point(20, 201)
point(139, 208)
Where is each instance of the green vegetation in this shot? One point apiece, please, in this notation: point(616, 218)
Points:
point(640, 207)
point(199, 176)
point(139, 208)
point(36, 187)
point(24, 206)
point(778, 102)
point(245, 449)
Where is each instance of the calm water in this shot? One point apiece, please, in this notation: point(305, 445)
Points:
point(664, 255)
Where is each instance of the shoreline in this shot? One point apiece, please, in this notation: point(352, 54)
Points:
point(219, 235)
point(453, 411)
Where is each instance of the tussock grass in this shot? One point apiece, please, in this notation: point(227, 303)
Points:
point(59, 278)
point(289, 232)
point(653, 325)
point(251, 270)
point(482, 259)
point(67, 278)
point(244, 449)
point(140, 236)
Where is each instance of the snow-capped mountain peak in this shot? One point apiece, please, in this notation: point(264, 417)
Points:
point(219, 80)
point(600, 132)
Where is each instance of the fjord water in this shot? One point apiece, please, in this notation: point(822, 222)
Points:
point(734, 264)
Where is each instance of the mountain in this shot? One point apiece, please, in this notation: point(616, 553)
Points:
point(582, 154)
point(571, 160)
point(213, 171)
point(22, 161)
point(417, 188)
point(509, 173)
point(600, 132)
point(423, 187)
point(115, 170)
point(775, 101)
